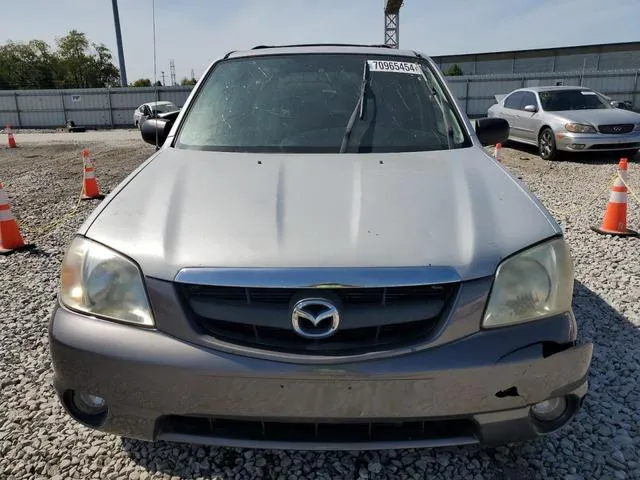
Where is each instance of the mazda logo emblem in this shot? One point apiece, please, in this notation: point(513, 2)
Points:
point(315, 318)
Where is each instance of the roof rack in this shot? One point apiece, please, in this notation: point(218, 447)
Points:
point(259, 47)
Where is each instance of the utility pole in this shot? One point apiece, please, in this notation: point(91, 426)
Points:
point(116, 20)
point(162, 75)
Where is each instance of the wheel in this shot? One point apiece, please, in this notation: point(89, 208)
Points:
point(547, 144)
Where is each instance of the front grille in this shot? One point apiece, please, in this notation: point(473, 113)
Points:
point(616, 129)
point(372, 319)
point(319, 432)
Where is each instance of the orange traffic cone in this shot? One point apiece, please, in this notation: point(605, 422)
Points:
point(10, 238)
point(11, 141)
point(90, 188)
point(615, 217)
point(498, 154)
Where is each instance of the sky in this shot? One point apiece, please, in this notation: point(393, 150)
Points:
point(194, 33)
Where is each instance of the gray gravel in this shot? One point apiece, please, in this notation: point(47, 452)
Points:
point(38, 441)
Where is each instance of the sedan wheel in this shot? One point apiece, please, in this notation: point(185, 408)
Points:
point(547, 144)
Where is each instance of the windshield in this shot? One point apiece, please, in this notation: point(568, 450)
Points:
point(164, 108)
point(303, 103)
point(562, 100)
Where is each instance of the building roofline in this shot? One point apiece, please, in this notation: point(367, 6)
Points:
point(605, 46)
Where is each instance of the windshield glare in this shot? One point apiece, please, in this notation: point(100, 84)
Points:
point(563, 100)
point(302, 103)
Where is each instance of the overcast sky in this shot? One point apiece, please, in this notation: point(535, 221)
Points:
point(195, 32)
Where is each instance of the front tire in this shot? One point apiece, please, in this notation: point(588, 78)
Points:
point(547, 144)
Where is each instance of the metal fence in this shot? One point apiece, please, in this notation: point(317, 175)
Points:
point(476, 92)
point(109, 108)
point(91, 107)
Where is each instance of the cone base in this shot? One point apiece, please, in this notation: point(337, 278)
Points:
point(96, 197)
point(627, 233)
point(8, 251)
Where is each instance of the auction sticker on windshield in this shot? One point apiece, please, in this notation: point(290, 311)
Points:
point(391, 66)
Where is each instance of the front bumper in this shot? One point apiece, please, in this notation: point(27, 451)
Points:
point(580, 142)
point(468, 391)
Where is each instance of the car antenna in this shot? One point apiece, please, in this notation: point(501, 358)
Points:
point(155, 79)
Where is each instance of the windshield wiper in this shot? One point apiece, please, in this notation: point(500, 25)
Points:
point(358, 111)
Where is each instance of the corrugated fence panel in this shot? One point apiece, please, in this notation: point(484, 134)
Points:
point(458, 87)
point(8, 118)
point(611, 85)
point(86, 101)
point(179, 97)
point(478, 107)
point(94, 118)
point(44, 102)
point(533, 64)
point(618, 60)
point(42, 119)
point(575, 63)
point(489, 88)
point(131, 99)
point(7, 102)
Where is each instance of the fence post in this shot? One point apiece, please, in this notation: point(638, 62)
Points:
point(466, 98)
point(64, 110)
point(15, 99)
point(110, 109)
point(635, 92)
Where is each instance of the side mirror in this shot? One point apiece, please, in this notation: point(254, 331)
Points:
point(156, 128)
point(531, 108)
point(492, 130)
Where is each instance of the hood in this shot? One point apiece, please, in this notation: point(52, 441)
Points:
point(186, 208)
point(599, 117)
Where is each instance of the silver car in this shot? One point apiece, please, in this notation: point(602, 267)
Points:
point(320, 255)
point(568, 119)
point(151, 109)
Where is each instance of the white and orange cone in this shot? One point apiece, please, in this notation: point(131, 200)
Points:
point(498, 153)
point(90, 188)
point(615, 217)
point(11, 142)
point(10, 238)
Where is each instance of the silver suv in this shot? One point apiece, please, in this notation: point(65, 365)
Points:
point(320, 255)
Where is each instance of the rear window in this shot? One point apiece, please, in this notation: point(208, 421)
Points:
point(304, 103)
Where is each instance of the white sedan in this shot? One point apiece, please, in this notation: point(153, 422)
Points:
point(151, 109)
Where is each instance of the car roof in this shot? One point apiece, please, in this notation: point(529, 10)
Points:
point(552, 88)
point(330, 48)
point(160, 102)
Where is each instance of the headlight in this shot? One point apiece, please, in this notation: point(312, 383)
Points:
point(98, 281)
point(533, 284)
point(579, 128)
point(637, 127)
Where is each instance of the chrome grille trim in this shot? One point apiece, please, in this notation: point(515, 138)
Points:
point(330, 277)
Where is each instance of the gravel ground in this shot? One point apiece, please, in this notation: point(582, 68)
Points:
point(37, 440)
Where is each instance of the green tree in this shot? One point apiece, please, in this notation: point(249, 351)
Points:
point(141, 82)
point(27, 65)
point(188, 81)
point(454, 71)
